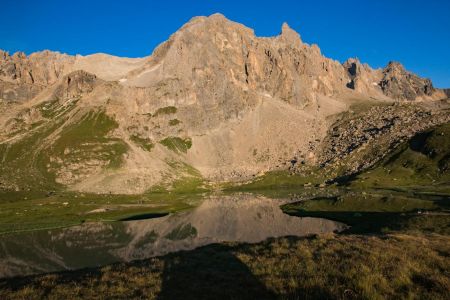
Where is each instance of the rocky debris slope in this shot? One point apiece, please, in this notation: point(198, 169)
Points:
point(358, 141)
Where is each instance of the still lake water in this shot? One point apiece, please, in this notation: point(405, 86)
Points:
point(236, 218)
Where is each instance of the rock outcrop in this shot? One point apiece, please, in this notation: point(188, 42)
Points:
point(363, 79)
point(398, 83)
point(393, 81)
point(76, 84)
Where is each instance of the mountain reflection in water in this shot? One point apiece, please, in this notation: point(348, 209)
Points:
point(239, 218)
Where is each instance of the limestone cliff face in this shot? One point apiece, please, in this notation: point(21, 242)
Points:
point(214, 101)
point(363, 79)
point(23, 77)
point(41, 68)
point(219, 60)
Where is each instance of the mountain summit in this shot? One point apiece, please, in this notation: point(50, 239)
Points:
point(212, 103)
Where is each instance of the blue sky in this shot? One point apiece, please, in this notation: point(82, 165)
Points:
point(416, 33)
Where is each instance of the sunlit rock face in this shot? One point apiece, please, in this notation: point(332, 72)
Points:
point(235, 106)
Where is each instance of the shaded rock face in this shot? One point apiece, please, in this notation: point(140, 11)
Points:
point(75, 84)
point(447, 92)
point(398, 83)
point(18, 92)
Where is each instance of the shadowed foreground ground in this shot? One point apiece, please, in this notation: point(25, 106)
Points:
point(329, 266)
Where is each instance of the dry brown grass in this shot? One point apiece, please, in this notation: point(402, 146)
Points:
point(396, 266)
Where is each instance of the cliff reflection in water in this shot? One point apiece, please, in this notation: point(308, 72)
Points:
point(239, 218)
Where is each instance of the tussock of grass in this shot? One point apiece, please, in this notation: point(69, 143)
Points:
point(177, 144)
point(144, 143)
point(168, 110)
point(174, 122)
point(277, 180)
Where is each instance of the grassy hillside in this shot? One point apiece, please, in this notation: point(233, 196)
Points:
point(66, 143)
point(423, 160)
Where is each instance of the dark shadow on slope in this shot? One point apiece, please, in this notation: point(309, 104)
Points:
point(381, 222)
point(144, 216)
point(211, 272)
point(418, 142)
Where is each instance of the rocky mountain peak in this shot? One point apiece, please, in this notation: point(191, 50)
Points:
point(353, 66)
point(19, 55)
point(218, 17)
point(290, 35)
point(394, 67)
point(363, 79)
point(398, 83)
point(3, 54)
point(393, 81)
point(217, 60)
